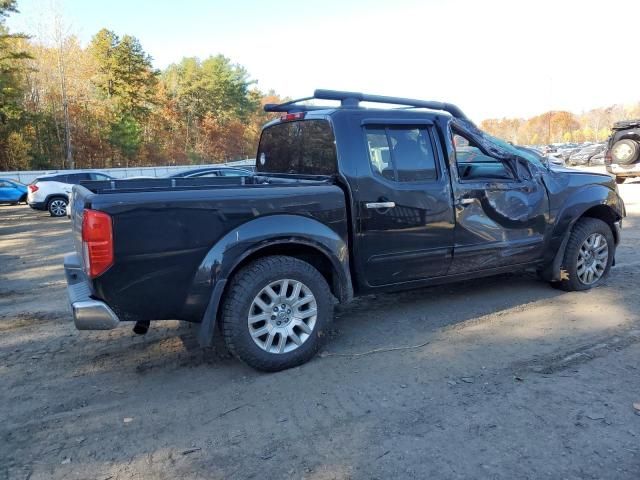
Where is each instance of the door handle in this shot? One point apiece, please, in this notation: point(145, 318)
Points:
point(378, 205)
point(464, 201)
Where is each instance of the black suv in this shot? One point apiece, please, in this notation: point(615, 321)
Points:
point(623, 150)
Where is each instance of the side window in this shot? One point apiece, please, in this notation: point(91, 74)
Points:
point(473, 164)
point(233, 173)
point(466, 152)
point(98, 176)
point(4, 184)
point(76, 178)
point(402, 154)
point(379, 154)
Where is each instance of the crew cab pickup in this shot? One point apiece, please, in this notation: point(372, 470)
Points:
point(346, 200)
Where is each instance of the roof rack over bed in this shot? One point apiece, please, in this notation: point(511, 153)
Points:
point(353, 99)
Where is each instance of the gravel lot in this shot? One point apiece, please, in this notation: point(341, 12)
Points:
point(515, 380)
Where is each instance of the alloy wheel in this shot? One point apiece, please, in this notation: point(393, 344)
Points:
point(282, 316)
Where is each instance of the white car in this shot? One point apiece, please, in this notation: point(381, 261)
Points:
point(51, 192)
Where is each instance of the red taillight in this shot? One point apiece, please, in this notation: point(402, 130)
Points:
point(289, 117)
point(33, 188)
point(97, 242)
point(608, 160)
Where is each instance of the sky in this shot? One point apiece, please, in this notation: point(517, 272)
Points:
point(493, 58)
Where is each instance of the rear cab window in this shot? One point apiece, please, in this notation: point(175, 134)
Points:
point(304, 147)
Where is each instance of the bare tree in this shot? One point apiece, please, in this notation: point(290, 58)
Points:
point(59, 38)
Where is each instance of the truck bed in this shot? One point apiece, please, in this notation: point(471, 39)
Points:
point(202, 183)
point(164, 228)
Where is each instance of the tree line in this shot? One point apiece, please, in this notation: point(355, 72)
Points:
point(104, 105)
point(63, 105)
point(560, 126)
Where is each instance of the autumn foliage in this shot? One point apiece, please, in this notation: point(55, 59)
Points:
point(63, 105)
point(558, 126)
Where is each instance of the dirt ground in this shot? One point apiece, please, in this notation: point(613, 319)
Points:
point(515, 380)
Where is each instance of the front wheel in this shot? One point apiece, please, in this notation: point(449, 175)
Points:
point(276, 313)
point(588, 256)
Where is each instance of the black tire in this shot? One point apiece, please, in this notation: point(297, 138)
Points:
point(630, 146)
point(23, 199)
point(583, 229)
point(56, 208)
point(620, 180)
point(247, 285)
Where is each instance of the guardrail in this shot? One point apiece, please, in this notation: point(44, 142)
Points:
point(27, 177)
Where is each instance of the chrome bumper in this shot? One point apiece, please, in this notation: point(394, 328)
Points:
point(88, 314)
point(624, 170)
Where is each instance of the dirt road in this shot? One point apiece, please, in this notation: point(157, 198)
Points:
point(515, 380)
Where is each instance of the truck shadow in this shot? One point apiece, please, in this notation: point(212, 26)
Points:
point(364, 323)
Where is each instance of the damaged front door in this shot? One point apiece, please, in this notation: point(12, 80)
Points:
point(500, 210)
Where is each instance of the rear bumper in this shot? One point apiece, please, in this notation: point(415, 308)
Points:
point(38, 205)
point(88, 313)
point(632, 170)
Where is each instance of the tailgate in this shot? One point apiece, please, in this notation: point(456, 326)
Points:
point(79, 200)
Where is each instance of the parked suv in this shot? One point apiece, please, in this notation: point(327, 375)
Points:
point(623, 150)
point(51, 192)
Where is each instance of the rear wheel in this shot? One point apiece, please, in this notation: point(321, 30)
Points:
point(57, 207)
point(276, 313)
point(588, 256)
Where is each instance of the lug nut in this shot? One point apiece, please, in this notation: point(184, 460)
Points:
point(288, 310)
point(284, 306)
point(273, 317)
point(275, 309)
point(279, 322)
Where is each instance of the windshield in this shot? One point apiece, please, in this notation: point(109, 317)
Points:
point(496, 146)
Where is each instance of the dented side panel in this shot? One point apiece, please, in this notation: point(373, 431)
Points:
point(499, 224)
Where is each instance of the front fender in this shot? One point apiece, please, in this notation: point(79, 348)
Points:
point(250, 237)
point(573, 207)
point(578, 202)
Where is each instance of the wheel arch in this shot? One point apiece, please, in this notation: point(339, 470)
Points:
point(53, 196)
point(605, 213)
point(291, 235)
point(602, 210)
point(313, 254)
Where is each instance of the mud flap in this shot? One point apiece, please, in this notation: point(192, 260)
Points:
point(553, 272)
point(208, 324)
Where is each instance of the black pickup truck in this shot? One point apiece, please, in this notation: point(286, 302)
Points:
point(346, 200)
